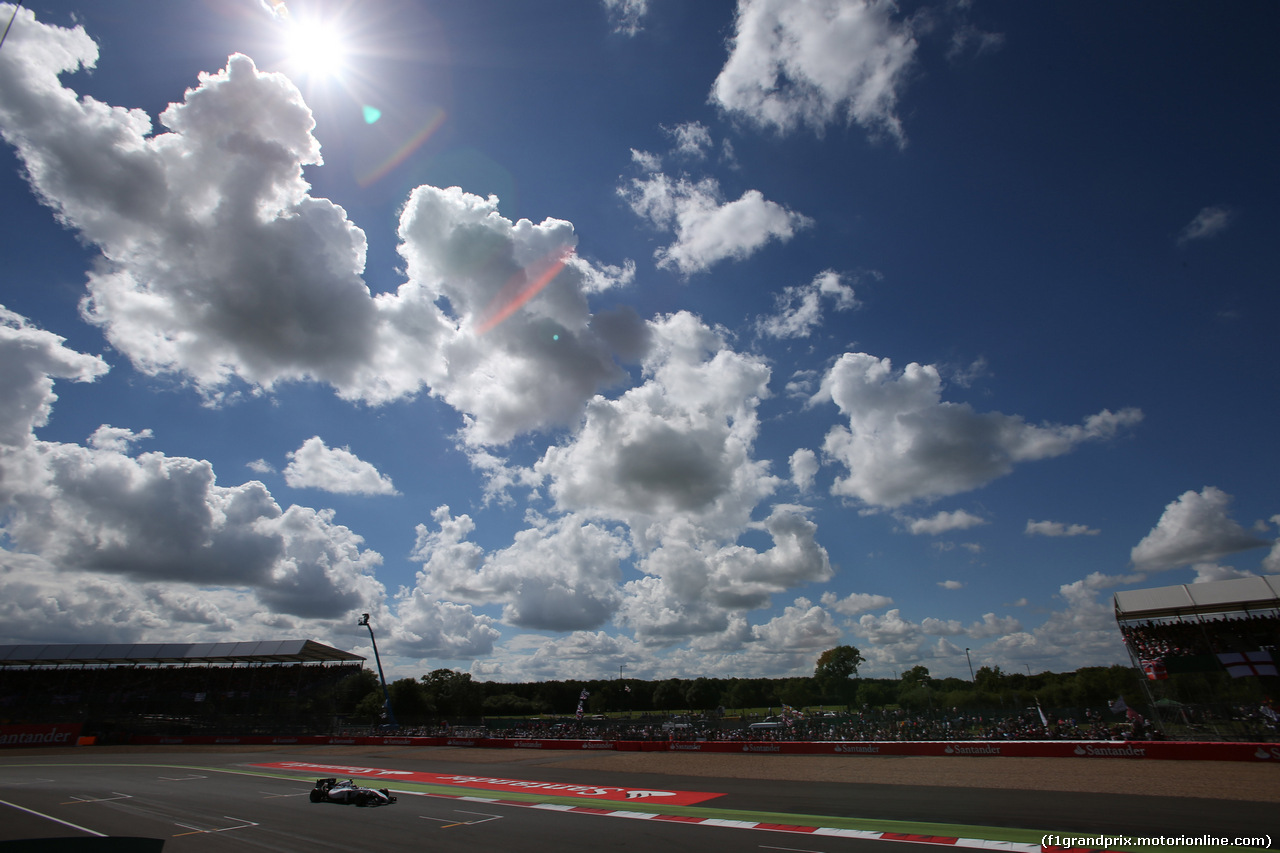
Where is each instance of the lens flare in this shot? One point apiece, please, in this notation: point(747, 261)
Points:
point(520, 288)
point(402, 153)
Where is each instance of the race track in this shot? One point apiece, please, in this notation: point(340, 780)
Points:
point(213, 801)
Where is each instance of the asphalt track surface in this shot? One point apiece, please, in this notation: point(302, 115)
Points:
point(216, 801)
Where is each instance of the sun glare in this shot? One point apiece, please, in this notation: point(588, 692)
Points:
point(316, 49)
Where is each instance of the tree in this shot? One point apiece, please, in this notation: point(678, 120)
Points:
point(453, 693)
point(835, 671)
point(914, 691)
point(702, 694)
point(410, 703)
point(669, 695)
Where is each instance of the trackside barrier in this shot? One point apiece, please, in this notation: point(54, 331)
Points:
point(1160, 750)
point(66, 734)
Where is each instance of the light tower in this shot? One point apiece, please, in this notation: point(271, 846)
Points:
point(386, 695)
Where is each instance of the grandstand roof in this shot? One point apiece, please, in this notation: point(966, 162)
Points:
point(1233, 596)
point(268, 651)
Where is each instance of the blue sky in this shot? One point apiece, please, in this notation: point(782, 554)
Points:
point(687, 338)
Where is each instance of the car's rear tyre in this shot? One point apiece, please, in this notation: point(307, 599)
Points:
point(316, 796)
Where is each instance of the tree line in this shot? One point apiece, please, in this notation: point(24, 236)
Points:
point(448, 695)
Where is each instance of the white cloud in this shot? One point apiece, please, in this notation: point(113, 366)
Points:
point(315, 465)
point(887, 630)
point(802, 626)
point(679, 445)
point(993, 626)
point(804, 468)
point(219, 267)
point(951, 584)
point(1209, 222)
point(118, 439)
point(941, 627)
point(581, 655)
point(855, 603)
point(943, 522)
point(30, 359)
point(815, 62)
point(1271, 563)
point(647, 161)
point(1085, 629)
point(1194, 528)
point(1209, 572)
point(104, 546)
point(260, 466)
point(692, 139)
point(903, 443)
point(694, 587)
point(562, 576)
point(433, 628)
point(799, 309)
point(627, 16)
point(1057, 528)
point(534, 369)
point(707, 228)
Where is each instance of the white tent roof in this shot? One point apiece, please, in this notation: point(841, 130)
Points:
point(1233, 596)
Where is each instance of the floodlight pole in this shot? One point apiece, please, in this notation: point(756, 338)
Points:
point(966, 657)
point(386, 695)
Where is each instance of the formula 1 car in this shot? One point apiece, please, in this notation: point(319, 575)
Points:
point(348, 792)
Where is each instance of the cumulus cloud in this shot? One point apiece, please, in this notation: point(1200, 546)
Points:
point(855, 603)
point(107, 437)
point(943, 522)
point(580, 655)
point(680, 443)
point(1194, 528)
point(315, 465)
point(561, 576)
point(1209, 572)
point(802, 626)
point(903, 443)
point(951, 584)
point(102, 545)
point(1271, 563)
point(707, 228)
point(30, 359)
point(218, 266)
point(1084, 628)
point(804, 468)
point(817, 62)
point(799, 309)
point(431, 627)
point(1057, 528)
point(1209, 222)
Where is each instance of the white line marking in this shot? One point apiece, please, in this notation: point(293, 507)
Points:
point(52, 818)
point(118, 796)
point(244, 824)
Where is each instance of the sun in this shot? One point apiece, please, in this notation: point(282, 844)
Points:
point(316, 49)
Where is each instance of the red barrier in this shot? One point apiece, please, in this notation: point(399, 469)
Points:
point(47, 735)
point(1159, 750)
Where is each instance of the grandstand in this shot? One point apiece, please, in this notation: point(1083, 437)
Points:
point(277, 686)
point(1208, 651)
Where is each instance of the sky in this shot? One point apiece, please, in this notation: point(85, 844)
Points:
point(642, 338)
